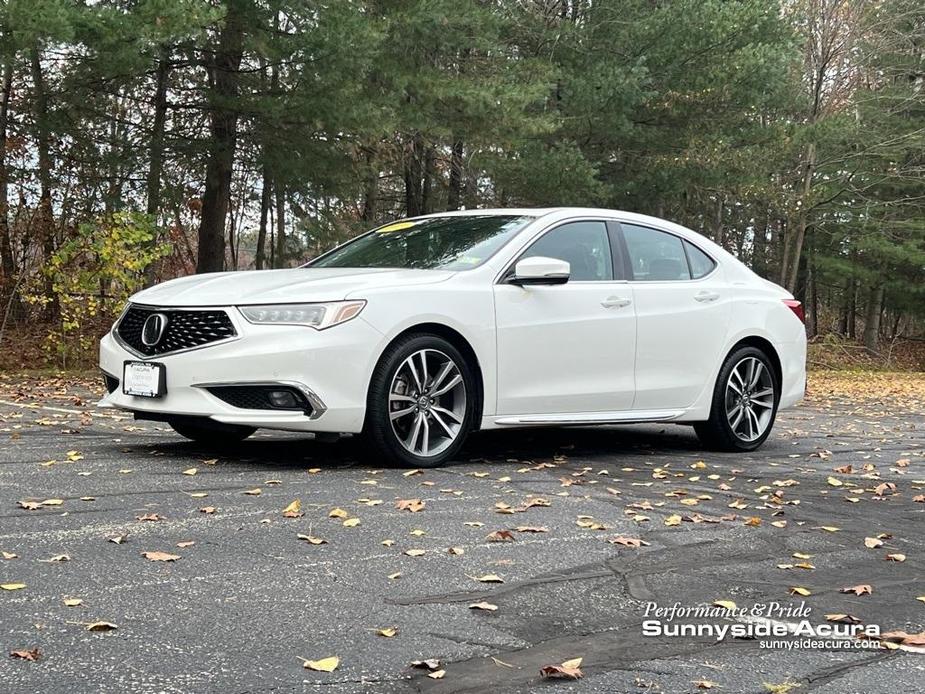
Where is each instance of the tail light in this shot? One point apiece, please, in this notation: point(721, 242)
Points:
point(796, 307)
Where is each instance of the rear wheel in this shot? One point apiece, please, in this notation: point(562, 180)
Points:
point(212, 434)
point(420, 405)
point(744, 403)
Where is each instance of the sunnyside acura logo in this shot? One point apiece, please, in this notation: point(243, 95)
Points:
point(153, 329)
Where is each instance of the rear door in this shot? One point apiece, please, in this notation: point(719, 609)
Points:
point(683, 308)
point(568, 348)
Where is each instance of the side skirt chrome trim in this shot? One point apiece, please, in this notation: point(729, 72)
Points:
point(624, 417)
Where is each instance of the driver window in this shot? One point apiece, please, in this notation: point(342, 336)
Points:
point(583, 245)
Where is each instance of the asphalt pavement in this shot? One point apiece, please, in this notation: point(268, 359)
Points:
point(247, 601)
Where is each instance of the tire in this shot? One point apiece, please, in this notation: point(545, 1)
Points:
point(419, 413)
point(212, 434)
point(757, 403)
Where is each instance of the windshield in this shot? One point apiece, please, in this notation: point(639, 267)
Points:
point(447, 243)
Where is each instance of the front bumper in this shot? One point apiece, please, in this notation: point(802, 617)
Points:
point(333, 365)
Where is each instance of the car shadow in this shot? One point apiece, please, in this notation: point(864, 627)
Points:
point(287, 451)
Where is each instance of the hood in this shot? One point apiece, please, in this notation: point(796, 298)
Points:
point(281, 286)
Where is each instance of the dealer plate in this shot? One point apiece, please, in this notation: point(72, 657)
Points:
point(145, 379)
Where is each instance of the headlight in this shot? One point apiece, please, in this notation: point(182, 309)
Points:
point(318, 316)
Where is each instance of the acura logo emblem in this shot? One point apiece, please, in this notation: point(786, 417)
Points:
point(153, 329)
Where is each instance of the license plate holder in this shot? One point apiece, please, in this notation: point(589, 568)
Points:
point(144, 379)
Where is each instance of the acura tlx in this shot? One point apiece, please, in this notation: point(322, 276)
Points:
point(420, 331)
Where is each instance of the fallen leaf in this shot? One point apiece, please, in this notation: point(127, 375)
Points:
point(456, 551)
point(30, 505)
point(323, 665)
point(834, 482)
point(101, 626)
point(338, 513)
point(191, 471)
point(725, 604)
point(483, 606)
point(796, 590)
point(186, 543)
point(412, 505)
point(12, 586)
point(150, 517)
point(872, 542)
point(570, 669)
point(500, 536)
point(633, 542)
point(256, 491)
point(31, 655)
point(388, 632)
point(312, 540)
point(531, 529)
point(72, 602)
point(860, 589)
point(8, 555)
point(896, 557)
point(673, 519)
point(208, 510)
point(415, 552)
point(118, 539)
point(160, 556)
point(704, 684)
point(843, 618)
point(351, 522)
point(437, 674)
point(428, 664)
point(293, 510)
point(489, 578)
point(56, 558)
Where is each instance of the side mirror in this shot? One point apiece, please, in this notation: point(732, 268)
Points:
point(540, 270)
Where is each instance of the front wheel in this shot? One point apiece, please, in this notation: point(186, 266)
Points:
point(421, 402)
point(744, 403)
point(215, 434)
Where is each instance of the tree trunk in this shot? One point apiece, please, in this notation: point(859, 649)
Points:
point(46, 219)
point(414, 178)
point(718, 221)
point(279, 189)
point(427, 185)
point(872, 319)
point(371, 188)
point(223, 69)
point(156, 151)
point(799, 234)
point(845, 305)
point(852, 309)
point(158, 124)
point(10, 304)
point(260, 257)
point(454, 195)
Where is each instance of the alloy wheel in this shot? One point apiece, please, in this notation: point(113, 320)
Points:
point(427, 402)
point(750, 399)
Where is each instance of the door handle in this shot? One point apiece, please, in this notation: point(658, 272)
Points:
point(706, 296)
point(616, 302)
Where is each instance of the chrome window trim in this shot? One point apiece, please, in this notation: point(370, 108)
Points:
point(149, 357)
point(653, 227)
point(499, 278)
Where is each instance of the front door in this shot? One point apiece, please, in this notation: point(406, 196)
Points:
point(567, 348)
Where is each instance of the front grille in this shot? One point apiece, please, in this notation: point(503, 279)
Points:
point(185, 329)
point(255, 397)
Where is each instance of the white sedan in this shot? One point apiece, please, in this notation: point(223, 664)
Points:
point(421, 331)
